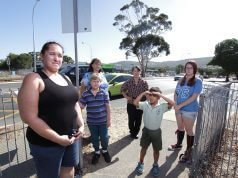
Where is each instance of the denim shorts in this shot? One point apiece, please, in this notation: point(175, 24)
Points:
point(49, 160)
point(188, 114)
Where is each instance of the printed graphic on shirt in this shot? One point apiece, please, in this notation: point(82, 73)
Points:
point(183, 92)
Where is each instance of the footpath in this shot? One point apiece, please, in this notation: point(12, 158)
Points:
point(124, 162)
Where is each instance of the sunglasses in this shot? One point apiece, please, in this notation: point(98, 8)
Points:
point(154, 95)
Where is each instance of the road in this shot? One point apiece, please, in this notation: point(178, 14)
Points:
point(9, 110)
point(166, 84)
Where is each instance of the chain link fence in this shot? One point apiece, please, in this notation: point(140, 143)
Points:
point(215, 152)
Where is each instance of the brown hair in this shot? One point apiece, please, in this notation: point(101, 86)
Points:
point(94, 60)
point(155, 89)
point(191, 81)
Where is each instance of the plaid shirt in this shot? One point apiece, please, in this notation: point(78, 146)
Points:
point(133, 90)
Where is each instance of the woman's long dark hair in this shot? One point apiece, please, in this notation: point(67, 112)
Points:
point(192, 80)
point(91, 64)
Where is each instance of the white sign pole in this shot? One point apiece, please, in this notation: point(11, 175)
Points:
point(76, 17)
point(75, 10)
point(77, 70)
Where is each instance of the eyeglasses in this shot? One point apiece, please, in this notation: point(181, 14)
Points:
point(189, 68)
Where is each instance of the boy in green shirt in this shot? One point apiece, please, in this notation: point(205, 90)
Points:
point(151, 133)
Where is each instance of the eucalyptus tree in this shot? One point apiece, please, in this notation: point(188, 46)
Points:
point(68, 59)
point(143, 27)
point(226, 56)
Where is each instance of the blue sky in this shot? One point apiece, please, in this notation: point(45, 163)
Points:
point(198, 25)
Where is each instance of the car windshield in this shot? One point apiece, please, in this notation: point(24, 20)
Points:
point(65, 69)
point(109, 77)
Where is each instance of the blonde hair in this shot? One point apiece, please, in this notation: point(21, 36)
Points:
point(95, 77)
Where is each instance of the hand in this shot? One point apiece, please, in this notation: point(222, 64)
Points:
point(108, 123)
point(65, 140)
point(146, 93)
point(79, 134)
point(129, 98)
point(177, 108)
point(156, 93)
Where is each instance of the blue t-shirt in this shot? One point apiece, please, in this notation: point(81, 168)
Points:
point(184, 92)
point(86, 81)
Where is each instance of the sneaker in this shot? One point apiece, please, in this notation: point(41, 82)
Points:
point(140, 168)
point(155, 170)
point(95, 158)
point(107, 157)
point(174, 147)
point(134, 136)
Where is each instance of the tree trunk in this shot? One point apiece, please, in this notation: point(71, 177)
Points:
point(227, 78)
point(142, 71)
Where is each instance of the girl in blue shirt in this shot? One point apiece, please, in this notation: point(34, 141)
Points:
point(186, 108)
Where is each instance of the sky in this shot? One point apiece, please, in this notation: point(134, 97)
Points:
point(197, 26)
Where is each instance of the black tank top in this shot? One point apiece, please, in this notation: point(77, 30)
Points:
point(56, 107)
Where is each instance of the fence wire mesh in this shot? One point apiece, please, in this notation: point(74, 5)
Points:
point(215, 151)
point(14, 151)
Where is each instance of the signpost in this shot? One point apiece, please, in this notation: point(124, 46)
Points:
point(8, 64)
point(76, 17)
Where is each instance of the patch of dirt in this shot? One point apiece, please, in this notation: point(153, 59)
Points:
point(225, 160)
point(117, 131)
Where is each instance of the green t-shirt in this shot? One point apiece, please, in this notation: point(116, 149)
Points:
point(152, 116)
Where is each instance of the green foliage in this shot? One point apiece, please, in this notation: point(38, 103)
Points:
point(22, 61)
point(211, 71)
point(179, 69)
point(68, 60)
point(226, 55)
point(15, 61)
point(163, 69)
point(143, 27)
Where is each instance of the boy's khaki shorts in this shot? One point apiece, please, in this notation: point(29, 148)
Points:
point(151, 136)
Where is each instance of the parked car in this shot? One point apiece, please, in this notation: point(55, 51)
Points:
point(115, 81)
point(71, 73)
point(178, 77)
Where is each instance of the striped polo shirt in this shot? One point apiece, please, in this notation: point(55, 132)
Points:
point(96, 106)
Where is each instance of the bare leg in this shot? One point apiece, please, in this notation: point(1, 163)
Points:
point(156, 156)
point(188, 123)
point(67, 172)
point(180, 122)
point(142, 154)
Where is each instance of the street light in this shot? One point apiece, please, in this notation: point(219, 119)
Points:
point(8, 64)
point(33, 30)
point(90, 49)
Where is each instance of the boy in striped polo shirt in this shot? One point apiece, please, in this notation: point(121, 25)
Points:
point(151, 133)
point(98, 117)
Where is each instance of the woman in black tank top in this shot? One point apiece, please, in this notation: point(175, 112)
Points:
point(48, 103)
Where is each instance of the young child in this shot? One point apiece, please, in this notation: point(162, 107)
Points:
point(151, 133)
point(98, 117)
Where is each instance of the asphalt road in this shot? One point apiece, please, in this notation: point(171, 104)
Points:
point(166, 84)
point(9, 110)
